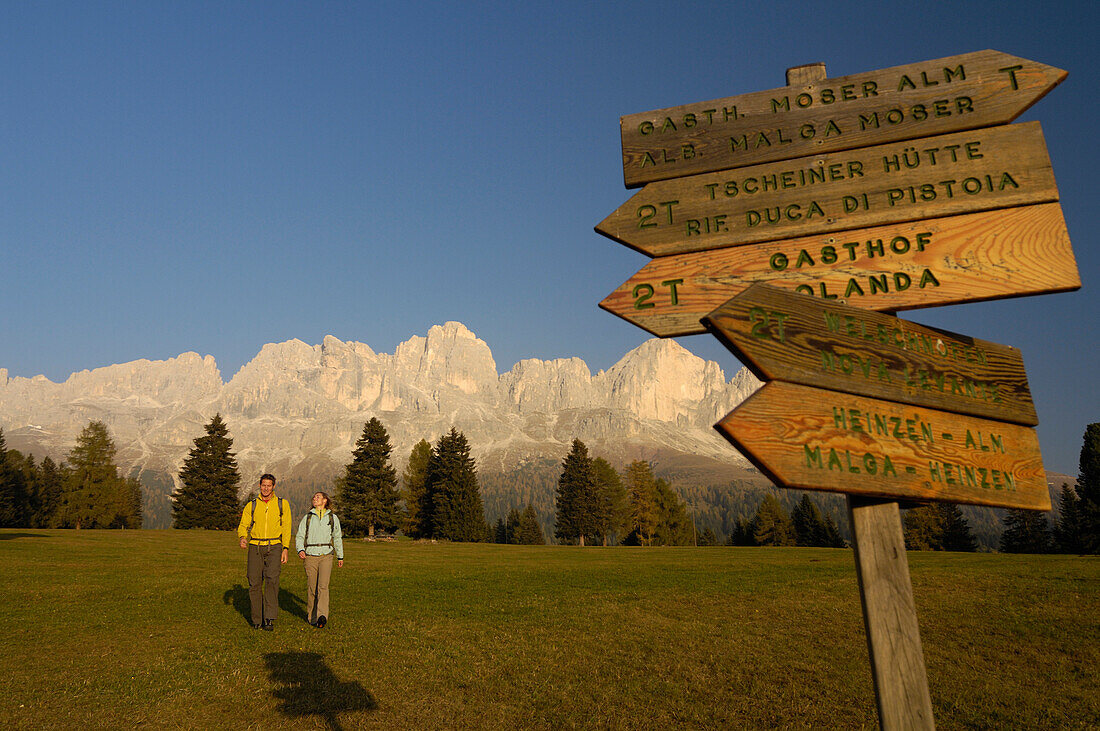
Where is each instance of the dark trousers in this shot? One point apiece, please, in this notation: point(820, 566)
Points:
point(264, 565)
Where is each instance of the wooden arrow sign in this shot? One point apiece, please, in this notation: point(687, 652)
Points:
point(971, 171)
point(785, 336)
point(972, 90)
point(813, 439)
point(980, 256)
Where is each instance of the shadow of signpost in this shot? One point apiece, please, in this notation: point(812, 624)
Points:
point(288, 602)
point(306, 686)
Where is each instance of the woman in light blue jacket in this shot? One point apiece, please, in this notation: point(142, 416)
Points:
point(319, 538)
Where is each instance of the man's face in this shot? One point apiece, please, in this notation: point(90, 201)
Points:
point(266, 488)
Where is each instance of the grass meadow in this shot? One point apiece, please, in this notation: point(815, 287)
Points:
point(149, 629)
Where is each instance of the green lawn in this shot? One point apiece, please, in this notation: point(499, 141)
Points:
point(120, 629)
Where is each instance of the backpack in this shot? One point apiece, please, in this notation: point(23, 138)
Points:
point(252, 518)
point(331, 530)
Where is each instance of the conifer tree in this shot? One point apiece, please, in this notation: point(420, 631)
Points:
point(707, 537)
point(209, 479)
point(511, 526)
point(614, 508)
point(674, 527)
point(577, 502)
point(956, 529)
point(1026, 531)
point(1067, 529)
point(366, 496)
point(14, 503)
point(455, 497)
point(808, 523)
point(772, 526)
point(1088, 490)
point(417, 515)
point(47, 493)
point(500, 532)
point(923, 529)
point(94, 494)
point(742, 533)
point(529, 532)
point(642, 489)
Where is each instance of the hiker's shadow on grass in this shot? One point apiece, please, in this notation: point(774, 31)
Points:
point(306, 686)
point(288, 602)
point(10, 536)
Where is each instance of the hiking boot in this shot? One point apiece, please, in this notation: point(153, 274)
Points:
point(321, 622)
point(269, 625)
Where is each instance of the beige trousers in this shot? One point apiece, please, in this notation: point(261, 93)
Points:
point(318, 571)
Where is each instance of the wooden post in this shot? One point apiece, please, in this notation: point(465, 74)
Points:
point(885, 590)
point(889, 615)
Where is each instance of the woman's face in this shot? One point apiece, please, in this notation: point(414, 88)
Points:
point(318, 500)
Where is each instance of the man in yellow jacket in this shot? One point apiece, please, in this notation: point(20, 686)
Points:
point(265, 532)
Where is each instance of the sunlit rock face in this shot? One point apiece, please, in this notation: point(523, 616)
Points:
point(296, 404)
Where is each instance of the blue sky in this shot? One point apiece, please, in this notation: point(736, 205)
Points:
point(211, 177)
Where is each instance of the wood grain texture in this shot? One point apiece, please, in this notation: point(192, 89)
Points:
point(813, 439)
point(978, 170)
point(890, 616)
point(898, 103)
point(785, 336)
point(980, 256)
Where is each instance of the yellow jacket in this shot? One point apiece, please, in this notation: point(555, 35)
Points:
point(265, 523)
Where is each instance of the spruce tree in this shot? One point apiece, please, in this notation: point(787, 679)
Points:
point(808, 523)
point(674, 527)
point(511, 526)
point(47, 493)
point(577, 501)
point(956, 529)
point(529, 532)
point(455, 497)
point(366, 496)
point(1067, 529)
point(417, 515)
point(772, 526)
point(14, 502)
point(642, 489)
point(94, 495)
point(614, 508)
point(1088, 490)
point(742, 533)
point(1026, 531)
point(707, 538)
point(207, 497)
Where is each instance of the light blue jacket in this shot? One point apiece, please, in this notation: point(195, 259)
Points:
point(322, 541)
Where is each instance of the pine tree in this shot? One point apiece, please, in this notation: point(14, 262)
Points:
point(455, 498)
point(771, 526)
point(529, 532)
point(94, 494)
point(1088, 490)
point(742, 533)
point(808, 523)
point(14, 502)
point(956, 529)
point(642, 489)
point(577, 502)
point(1067, 529)
point(209, 479)
point(614, 510)
point(366, 496)
point(417, 515)
point(833, 538)
point(707, 538)
point(500, 532)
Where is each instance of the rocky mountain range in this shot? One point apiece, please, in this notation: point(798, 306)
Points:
point(297, 409)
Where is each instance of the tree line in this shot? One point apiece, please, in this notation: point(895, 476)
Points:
point(85, 491)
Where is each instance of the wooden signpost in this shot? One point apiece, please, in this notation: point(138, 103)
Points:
point(816, 115)
point(784, 336)
point(823, 189)
point(970, 171)
point(942, 261)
